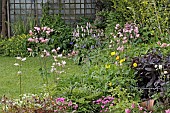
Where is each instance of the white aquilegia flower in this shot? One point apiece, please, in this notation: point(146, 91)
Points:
point(16, 64)
point(165, 72)
point(19, 72)
point(58, 48)
point(18, 58)
point(60, 55)
point(63, 62)
point(160, 66)
point(24, 59)
point(156, 66)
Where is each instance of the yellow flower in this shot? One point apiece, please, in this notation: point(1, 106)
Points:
point(113, 53)
point(135, 64)
point(117, 57)
point(107, 66)
point(122, 60)
point(110, 84)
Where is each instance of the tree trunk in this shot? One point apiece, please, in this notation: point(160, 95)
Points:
point(4, 18)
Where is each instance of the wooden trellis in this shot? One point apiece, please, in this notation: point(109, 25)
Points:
point(70, 10)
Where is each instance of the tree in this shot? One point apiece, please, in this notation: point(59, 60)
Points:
point(4, 18)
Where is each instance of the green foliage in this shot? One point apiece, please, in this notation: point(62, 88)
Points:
point(22, 27)
point(14, 46)
point(63, 32)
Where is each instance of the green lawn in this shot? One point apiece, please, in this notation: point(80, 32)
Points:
point(31, 79)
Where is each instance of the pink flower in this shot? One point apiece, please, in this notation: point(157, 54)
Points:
point(44, 41)
point(70, 103)
point(164, 45)
point(167, 111)
point(127, 110)
point(137, 35)
point(140, 108)
point(37, 28)
point(30, 32)
point(75, 106)
point(31, 40)
point(159, 43)
point(53, 51)
point(47, 54)
point(133, 105)
point(41, 38)
point(102, 106)
point(124, 41)
point(136, 30)
point(120, 48)
point(48, 32)
point(29, 49)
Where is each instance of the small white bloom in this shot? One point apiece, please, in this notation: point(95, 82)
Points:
point(160, 66)
point(60, 55)
point(42, 56)
point(16, 64)
point(156, 66)
point(58, 48)
point(19, 72)
point(18, 58)
point(165, 72)
point(110, 46)
point(24, 59)
point(63, 62)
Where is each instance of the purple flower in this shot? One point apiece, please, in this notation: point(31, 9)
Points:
point(71, 43)
point(70, 103)
point(60, 100)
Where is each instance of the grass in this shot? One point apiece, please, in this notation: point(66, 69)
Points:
point(31, 79)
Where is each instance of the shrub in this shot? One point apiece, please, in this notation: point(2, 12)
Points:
point(14, 46)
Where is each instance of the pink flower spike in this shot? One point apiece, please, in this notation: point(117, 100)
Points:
point(140, 108)
point(127, 110)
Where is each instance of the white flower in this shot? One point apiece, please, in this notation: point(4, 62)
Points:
point(63, 62)
point(58, 48)
point(165, 72)
point(24, 59)
point(156, 66)
point(60, 55)
point(18, 58)
point(160, 66)
point(19, 72)
point(16, 64)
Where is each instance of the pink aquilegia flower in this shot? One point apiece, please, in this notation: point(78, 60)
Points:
point(53, 51)
point(48, 32)
point(127, 110)
point(167, 111)
point(133, 105)
point(159, 43)
point(29, 49)
point(140, 108)
point(164, 45)
point(70, 103)
point(75, 106)
point(30, 39)
point(30, 32)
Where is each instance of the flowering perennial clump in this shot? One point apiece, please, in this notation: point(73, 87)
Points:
point(104, 103)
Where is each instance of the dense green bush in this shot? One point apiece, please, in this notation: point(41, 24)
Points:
point(14, 46)
point(63, 32)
